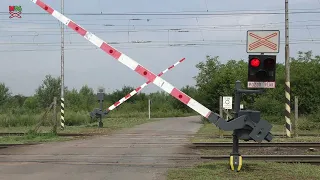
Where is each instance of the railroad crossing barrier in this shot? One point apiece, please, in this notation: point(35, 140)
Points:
point(245, 122)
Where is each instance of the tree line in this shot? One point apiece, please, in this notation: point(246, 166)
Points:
point(214, 79)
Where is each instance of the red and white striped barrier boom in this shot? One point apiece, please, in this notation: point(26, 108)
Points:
point(132, 93)
point(133, 65)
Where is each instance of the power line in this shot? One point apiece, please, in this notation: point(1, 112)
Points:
point(174, 14)
point(197, 28)
point(143, 42)
point(217, 44)
point(110, 26)
point(157, 30)
point(115, 25)
point(118, 19)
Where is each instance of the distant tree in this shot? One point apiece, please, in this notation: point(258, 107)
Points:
point(216, 79)
point(88, 98)
point(49, 89)
point(31, 103)
point(4, 94)
point(305, 81)
point(73, 100)
point(19, 99)
point(118, 94)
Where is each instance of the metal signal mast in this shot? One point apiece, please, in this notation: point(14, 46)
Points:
point(62, 123)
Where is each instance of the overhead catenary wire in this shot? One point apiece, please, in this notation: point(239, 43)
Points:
point(114, 28)
point(148, 42)
point(184, 30)
point(227, 45)
point(116, 19)
point(214, 25)
point(188, 13)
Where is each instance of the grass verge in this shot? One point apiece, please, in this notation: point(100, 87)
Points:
point(110, 125)
point(31, 138)
point(209, 133)
point(254, 170)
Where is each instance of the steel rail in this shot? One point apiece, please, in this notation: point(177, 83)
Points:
point(272, 144)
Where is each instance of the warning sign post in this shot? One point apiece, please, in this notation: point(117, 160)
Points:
point(263, 41)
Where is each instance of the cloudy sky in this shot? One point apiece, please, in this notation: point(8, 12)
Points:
point(30, 46)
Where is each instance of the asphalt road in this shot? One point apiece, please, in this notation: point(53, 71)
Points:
point(144, 152)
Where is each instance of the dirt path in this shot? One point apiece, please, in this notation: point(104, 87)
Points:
point(144, 152)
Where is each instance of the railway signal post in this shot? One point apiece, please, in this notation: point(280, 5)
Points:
point(261, 74)
point(98, 112)
point(254, 128)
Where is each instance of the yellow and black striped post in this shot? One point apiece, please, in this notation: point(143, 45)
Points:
point(288, 110)
point(287, 72)
point(62, 114)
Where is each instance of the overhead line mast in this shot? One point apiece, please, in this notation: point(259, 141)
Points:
point(62, 123)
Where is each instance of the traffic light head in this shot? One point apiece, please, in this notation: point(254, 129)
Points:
point(261, 68)
point(254, 62)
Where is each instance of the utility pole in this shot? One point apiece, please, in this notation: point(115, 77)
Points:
point(287, 74)
point(62, 123)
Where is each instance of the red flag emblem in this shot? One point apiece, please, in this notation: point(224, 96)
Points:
point(11, 8)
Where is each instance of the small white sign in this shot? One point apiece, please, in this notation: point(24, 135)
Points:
point(263, 41)
point(227, 102)
point(261, 84)
point(241, 106)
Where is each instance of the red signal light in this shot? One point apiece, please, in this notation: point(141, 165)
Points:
point(255, 62)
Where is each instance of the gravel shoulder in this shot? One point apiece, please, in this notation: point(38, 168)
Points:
point(146, 152)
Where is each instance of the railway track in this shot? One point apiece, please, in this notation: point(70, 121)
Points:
point(138, 134)
point(184, 159)
point(251, 145)
point(143, 160)
point(311, 159)
point(274, 135)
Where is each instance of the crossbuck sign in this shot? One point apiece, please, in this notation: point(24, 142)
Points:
point(263, 41)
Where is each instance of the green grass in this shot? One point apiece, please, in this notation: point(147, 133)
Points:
point(31, 138)
point(76, 122)
point(79, 118)
point(110, 125)
point(249, 171)
point(208, 133)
